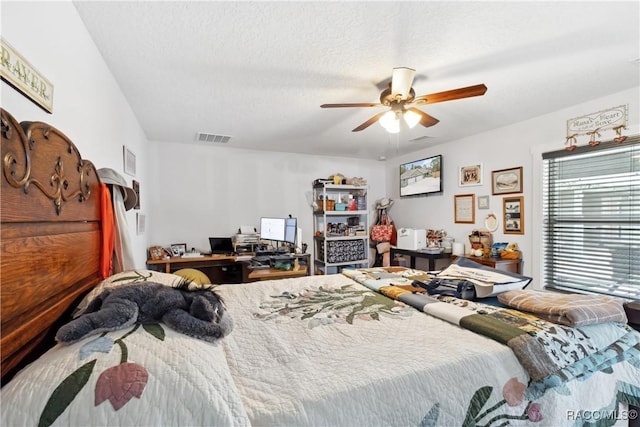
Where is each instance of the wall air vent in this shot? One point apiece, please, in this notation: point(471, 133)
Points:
point(210, 137)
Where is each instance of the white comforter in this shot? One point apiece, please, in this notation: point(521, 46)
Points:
point(319, 350)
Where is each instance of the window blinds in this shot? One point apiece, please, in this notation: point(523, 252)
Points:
point(591, 219)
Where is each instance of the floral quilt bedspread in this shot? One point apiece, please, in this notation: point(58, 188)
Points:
point(318, 350)
point(551, 353)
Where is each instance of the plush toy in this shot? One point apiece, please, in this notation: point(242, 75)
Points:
point(198, 313)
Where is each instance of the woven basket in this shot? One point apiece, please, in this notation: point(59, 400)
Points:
point(327, 205)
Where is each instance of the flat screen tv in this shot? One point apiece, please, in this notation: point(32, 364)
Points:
point(278, 229)
point(421, 176)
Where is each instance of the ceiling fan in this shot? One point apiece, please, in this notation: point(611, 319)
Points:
point(402, 102)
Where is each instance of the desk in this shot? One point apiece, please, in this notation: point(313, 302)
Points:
point(219, 268)
point(512, 265)
point(272, 273)
point(417, 254)
point(226, 269)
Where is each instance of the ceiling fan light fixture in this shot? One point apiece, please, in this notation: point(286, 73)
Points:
point(401, 81)
point(390, 122)
point(411, 118)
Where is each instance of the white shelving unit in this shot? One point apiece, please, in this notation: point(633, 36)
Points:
point(341, 237)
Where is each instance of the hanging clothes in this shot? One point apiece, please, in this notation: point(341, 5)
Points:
point(123, 252)
point(117, 198)
point(108, 225)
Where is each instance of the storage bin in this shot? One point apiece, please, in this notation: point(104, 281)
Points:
point(341, 207)
point(342, 250)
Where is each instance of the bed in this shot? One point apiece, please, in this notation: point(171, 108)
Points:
point(350, 349)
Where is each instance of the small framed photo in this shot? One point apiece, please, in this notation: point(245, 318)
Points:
point(506, 181)
point(483, 202)
point(464, 208)
point(470, 175)
point(513, 222)
point(129, 159)
point(136, 188)
point(178, 249)
point(141, 223)
point(156, 252)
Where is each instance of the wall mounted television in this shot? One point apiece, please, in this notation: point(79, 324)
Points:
point(421, 176)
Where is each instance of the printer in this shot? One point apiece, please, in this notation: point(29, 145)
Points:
point(412, 238)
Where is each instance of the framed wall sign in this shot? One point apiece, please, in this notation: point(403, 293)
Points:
point(483, 202)
point(22, 76)
point(470, 175)
point(129, 159)
point(141, 223)
point(464, 208)
point(506, 181)
point(513, 222)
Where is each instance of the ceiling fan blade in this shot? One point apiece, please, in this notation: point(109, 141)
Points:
point(450, 95)
point(425, 119)
point(369, 122)
point(401, 81)
point(361, 104)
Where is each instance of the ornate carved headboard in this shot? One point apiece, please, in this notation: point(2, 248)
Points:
point(50, 235)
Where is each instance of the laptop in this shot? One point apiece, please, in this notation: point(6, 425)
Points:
point(221, 245)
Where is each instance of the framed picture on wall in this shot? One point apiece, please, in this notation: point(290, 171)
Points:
point(129, 159)
point(470, 175)
point(506, 181)
point(136, 188)
point(483, 202)
point(464, 208)
point(513, 222)
point(141, 223)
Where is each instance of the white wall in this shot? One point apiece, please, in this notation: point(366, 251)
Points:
point(191, 192)
point(520, 144)
point(88, 105)
point(207, 191)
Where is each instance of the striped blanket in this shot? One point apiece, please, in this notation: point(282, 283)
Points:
point(567, 309)
point(550, 352)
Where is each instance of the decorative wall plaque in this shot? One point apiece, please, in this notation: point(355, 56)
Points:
point(21, 75)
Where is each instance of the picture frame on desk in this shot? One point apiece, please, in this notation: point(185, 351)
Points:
point(156, 252)
point(178, 249)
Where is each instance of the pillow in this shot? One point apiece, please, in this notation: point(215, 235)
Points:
point(195, 276)
point(126, 277)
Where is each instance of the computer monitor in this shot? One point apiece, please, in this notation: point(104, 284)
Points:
point(278, 229)
point(272, 229)
point(221, 245)
point(290, 229)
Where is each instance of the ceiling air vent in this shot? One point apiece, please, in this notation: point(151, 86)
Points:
point(420, 139)
point(209, 137)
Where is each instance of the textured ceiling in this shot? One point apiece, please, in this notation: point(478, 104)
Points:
point(259, 71)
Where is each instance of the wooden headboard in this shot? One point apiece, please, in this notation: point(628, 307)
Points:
point(50, 236)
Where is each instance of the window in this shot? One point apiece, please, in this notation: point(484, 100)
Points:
point(591, 219)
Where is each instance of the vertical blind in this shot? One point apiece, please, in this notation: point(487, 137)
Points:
point(591, 219)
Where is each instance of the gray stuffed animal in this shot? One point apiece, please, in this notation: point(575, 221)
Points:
point(198, 313)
